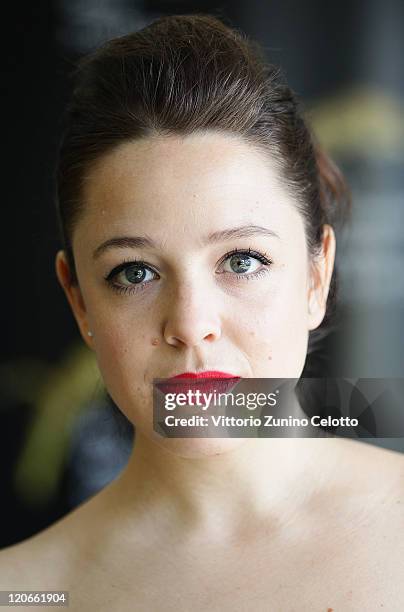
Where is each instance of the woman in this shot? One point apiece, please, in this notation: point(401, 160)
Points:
point(197, 216)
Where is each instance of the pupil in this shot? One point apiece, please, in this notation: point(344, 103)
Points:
point(134, 275)
point(243, 262)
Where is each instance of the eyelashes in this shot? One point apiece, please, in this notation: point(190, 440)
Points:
point(133, 270)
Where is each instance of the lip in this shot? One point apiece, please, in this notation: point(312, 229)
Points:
point(205, 382)
point(206, 374)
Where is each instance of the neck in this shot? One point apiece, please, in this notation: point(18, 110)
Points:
point(261, 480)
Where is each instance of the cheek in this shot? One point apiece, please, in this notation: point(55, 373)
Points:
point(122, 353)
point(276, 334)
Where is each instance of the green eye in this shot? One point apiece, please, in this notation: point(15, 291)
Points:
point(132, 276)
point(240, 263)
point(243, 262)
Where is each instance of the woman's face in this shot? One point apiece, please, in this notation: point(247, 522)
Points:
point(182, 206)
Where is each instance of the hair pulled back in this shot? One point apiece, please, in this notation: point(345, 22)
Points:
point(186, 73)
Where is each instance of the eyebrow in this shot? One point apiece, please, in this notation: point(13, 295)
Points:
point(133, 242)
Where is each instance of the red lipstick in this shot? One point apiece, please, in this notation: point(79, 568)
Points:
point(206, 374)
point(206, 382)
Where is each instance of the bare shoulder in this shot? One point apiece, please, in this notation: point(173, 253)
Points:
point(74, 555)
point(376, 459)
point(45, 560)
point(372, 490)
point(372, 469)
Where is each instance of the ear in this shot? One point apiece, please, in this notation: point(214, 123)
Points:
point(320, 278)
point(73, 294)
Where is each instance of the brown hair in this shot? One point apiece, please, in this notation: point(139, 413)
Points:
point(186, 73)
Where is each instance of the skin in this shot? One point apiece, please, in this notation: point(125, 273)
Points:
point(192, 317)
point(226, 524)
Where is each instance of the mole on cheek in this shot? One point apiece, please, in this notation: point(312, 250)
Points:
point(155, 341)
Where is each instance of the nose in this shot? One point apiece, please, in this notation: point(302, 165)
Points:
point(192, 318)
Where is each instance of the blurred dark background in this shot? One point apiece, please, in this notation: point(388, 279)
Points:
point(61, 438)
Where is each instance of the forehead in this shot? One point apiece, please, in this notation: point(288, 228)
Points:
point(195, 179)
